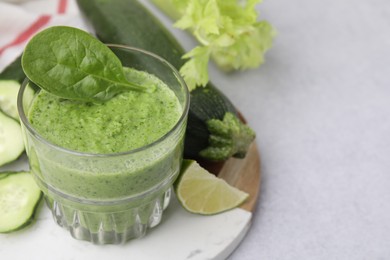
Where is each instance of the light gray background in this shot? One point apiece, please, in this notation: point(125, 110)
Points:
point(321, 109)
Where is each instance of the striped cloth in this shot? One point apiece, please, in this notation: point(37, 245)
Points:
point(20, 20)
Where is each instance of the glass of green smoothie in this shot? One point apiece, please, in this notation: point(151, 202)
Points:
point(107, 169)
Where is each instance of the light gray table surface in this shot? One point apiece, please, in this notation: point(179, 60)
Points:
point(320, 106)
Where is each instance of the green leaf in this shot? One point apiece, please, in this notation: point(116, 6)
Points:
point(194, 71)
point(72, 64)
point(210, 19)
point(247, 48)
point(229, 29)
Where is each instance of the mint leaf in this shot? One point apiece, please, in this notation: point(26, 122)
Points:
point(72, 64)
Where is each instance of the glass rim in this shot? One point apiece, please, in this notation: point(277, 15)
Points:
point(183, 116)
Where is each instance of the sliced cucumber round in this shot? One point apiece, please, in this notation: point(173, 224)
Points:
point(11, 140)
point(19, 197)
point(8, 97)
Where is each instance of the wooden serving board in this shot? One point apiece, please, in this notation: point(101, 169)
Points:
point(243, 174)
point(181, 235)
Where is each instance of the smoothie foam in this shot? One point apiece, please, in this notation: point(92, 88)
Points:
point(128, 121)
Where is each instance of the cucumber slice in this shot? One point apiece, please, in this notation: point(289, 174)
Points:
point(8, 97)
point(19, 197)
point(11, 140)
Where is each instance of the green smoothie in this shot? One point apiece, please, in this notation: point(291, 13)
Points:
point(126, 122)
point(104, 135)
point(106, 177)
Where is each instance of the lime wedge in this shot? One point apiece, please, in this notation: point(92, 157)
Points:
point(201, 192)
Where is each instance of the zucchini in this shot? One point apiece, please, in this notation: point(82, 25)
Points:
point(11, 140)
point(14, 71)
point(214, 131)
point(19, 198)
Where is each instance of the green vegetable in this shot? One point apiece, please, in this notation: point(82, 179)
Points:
point(11, 140)
point(223, 135)
point(227, 30)
point(8, 98)
point(9, 90)
point(72, 64)
point(14, 71)
point(129, 23)
point(19, 198)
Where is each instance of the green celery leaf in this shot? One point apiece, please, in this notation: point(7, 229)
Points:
point(229, 29)
point(194, 71)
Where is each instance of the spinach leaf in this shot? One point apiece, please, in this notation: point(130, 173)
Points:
point(72, 64)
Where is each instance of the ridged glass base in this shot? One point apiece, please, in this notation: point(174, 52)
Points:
point(109, 225)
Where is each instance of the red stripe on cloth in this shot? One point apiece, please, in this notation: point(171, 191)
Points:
point(26, 34)
point(62, 6)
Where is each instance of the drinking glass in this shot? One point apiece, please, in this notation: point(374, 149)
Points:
point(109, 198)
